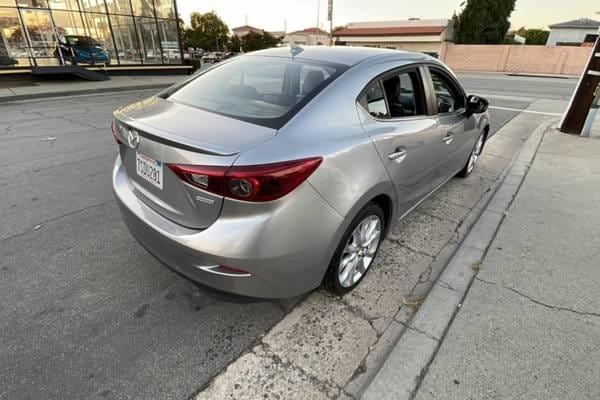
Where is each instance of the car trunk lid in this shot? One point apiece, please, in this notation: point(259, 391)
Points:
point(158, 132)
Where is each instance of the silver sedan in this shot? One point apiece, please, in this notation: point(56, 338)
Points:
point(273, 173)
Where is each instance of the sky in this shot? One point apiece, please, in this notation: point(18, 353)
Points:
point(299, 14)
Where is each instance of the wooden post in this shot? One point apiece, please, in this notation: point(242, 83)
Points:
point(583, 98)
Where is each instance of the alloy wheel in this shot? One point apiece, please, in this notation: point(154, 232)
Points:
point(475, 154)
point(359, 251)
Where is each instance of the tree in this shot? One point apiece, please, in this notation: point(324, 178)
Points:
point(534, 36)
point(483, 22)
point(207, 31)
point(257, 41)
point(235, 43)
point(339, 28)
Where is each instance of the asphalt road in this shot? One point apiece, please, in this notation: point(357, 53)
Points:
point(518, 86)
point(85, 312)
point(515, 92)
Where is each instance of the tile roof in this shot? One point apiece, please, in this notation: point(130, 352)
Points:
point(310, 31)
point(248, 27)
point(582, 23)
point(392, 31)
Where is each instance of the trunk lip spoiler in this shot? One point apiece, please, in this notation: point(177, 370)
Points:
point(169, 139)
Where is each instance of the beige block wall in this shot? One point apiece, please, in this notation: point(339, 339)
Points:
point(562, 60)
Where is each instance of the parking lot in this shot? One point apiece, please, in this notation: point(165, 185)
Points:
point(85, 311)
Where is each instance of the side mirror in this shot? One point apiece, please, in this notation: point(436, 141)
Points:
point(477, 105)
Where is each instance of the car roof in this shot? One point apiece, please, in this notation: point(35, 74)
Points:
point(346, 55)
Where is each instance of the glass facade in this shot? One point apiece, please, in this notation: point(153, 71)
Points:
point(116, 32)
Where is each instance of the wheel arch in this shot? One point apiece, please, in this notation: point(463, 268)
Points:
point(387, 206)
point(384, 196)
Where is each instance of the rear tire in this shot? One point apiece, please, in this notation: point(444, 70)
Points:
point(356, 251)
point(473, 157)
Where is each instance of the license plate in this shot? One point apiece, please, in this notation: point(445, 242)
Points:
point(149, 169)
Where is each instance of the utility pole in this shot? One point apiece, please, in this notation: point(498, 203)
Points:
point(582, 107)
point(318, 20)
point(330, 17)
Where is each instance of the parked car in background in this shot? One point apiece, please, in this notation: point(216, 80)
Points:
point(213, 57)
point(230, 54)
point(81, 50)
point(280, 170)
point(171, 54)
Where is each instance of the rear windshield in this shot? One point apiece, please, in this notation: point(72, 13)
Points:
point(261, 90)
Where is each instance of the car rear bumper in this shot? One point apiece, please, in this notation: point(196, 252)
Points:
point(285, 245)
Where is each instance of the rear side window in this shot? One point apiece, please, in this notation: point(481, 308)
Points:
point(266, 91)
point(374, 101)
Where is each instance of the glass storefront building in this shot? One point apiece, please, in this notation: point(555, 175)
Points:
point(131, 31)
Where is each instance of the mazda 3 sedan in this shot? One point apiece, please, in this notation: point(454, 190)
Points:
point(278, 171)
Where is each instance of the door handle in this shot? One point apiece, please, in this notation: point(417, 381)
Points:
point(448, 138)
point(399, 155)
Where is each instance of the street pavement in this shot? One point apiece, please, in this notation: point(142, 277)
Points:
point(529, 326)
point(85, 311)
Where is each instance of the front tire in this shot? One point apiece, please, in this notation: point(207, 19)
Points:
point(473, 157)
point(356, 251)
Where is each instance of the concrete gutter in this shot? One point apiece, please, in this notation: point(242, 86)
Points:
point(45, 95)
point(52, 89)
point(400, 374)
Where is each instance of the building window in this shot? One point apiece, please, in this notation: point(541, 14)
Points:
point(127, 31)
point(64, 5)
point(126, 41)
point(148, 36)
point(13, 46)
point(167, 31)
point(143, 8)
point(68, 23)
point(119, 6)
point(32, 3)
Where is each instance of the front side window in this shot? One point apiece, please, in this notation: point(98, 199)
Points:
point(256, 89)
point(449, 99)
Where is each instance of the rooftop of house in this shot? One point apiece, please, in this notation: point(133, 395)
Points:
point(246, 28)
point(395, 28)
point(310, 31)
point(582, 23)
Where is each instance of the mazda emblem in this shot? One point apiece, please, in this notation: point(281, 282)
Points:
point(133, 139)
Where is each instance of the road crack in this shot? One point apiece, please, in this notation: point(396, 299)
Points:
point(531, 299)
point(40, 225)
point(427, 335)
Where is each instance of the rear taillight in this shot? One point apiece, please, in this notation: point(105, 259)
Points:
point(115, 132)
point(250, 183)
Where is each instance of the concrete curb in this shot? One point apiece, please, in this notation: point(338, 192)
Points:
point(67, 93)
point(405, 362)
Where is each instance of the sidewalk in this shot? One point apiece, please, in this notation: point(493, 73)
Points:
point(55, 88)
point(528, 327)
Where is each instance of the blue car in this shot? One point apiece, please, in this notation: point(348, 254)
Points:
point(81, 50)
